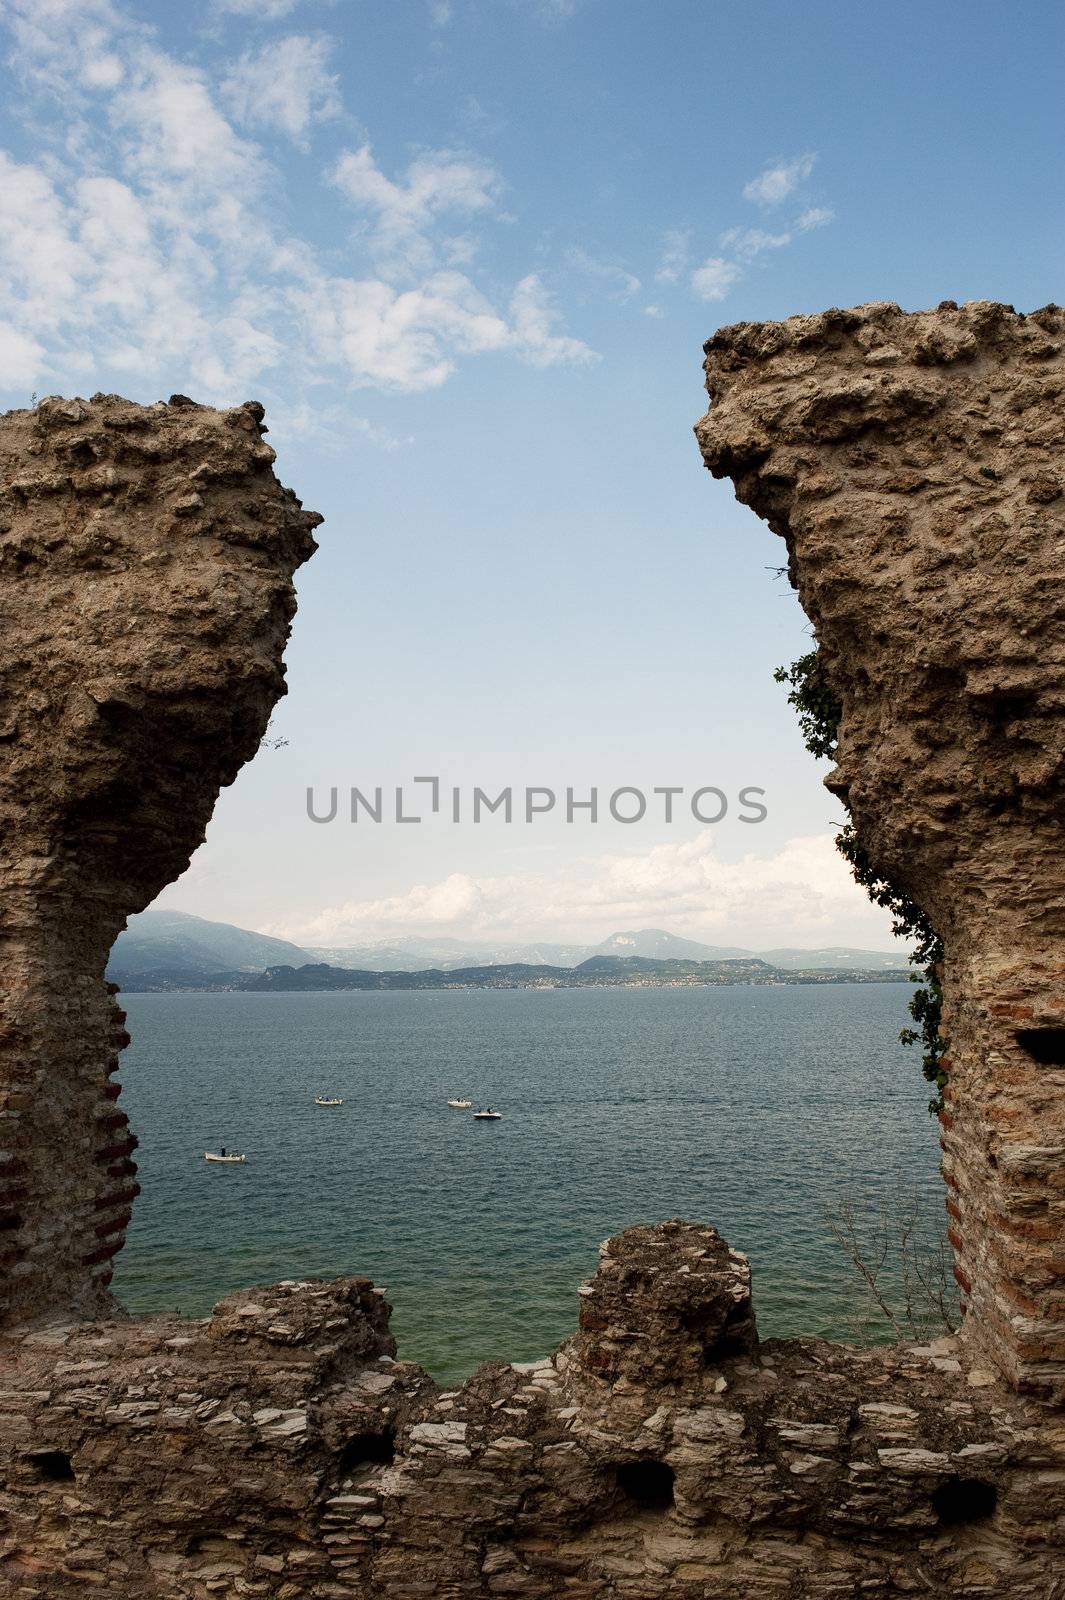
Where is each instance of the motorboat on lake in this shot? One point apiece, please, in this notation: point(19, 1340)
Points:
point(327, 1100)
point(229, 1157)
point(461, 1105)
point(488, 1115)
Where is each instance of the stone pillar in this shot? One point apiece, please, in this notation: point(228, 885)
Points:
point(914, 465)
point(667, 1303)
point(146, 561)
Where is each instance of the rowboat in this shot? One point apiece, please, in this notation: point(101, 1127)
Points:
point(229, 1160)
point(461, 1105)
point(327, 1100)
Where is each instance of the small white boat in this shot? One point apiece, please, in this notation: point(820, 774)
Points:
point(461, 1105)
point(223, 1155)
point(327, 1100)
point(488, 1115)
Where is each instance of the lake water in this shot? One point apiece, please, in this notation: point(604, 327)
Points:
point(760, 1110)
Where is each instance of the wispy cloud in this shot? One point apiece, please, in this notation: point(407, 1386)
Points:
point(401, 213)
point(442, 12)
point(714, 279)
point(779, 180)
point(264, 10)
point(750, 242)
point(746, 243)
point(742, 244)
point(284, 85)
point(549, 10)
point(622, 284)
point(536, 321)
point(802, 891)
point(815, 217)
point(143, 247)
point(673, 262)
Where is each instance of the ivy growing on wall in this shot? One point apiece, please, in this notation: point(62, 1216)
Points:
point(819, 712)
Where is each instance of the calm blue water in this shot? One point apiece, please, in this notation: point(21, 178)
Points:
point(759, 1110)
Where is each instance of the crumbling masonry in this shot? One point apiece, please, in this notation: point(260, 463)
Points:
point(279, 1448)
point(916, 467)
point(146, 560)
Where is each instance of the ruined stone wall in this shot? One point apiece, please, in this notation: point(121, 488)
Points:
point(278, 1449)
point(915, 466)
point(146, 559)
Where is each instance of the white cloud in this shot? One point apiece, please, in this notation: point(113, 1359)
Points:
point(815, 217)
point(103, 71)
point(176, 133)
point(675, 256)
point(285, 84)
point(441, 13)
point(803, 893)
point(778, 181)
point(40, 263)
point(410, 340)
point(21, 358)
point(48, 33)
point(405, 341)
point(714, 279)
point(144, 247)
point(535, 320)
point(653, 311)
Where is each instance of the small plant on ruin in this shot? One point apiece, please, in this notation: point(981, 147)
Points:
point(820, 711)
point(815, 700)
point(908, 1277)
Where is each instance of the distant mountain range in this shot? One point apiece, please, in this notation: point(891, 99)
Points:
point(175, 950)
point(417, 955)
point(597, 972)
point(170, 945)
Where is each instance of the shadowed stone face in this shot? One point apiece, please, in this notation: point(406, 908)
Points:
point(915, 466)
point(146, 561)
point(665, 1304)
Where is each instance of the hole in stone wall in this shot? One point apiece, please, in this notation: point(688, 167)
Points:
point(54, 1465)
point(1003, 707)
point(734, 1338)
point(964, 1500)
point(648, 1484)
point(1045, 1045)
point(368, 1449)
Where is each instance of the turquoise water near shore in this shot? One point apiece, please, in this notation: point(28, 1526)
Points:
point(761, 1110)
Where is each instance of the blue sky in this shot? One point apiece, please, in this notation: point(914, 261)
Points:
point(466, 254)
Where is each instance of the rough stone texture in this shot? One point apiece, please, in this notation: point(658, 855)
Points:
point(914, 464)
point(146, 559)
point(277, 1449)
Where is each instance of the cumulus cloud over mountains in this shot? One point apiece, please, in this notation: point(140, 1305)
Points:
point(805, 887)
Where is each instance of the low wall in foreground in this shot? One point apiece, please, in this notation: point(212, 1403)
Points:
point(279, 1449)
